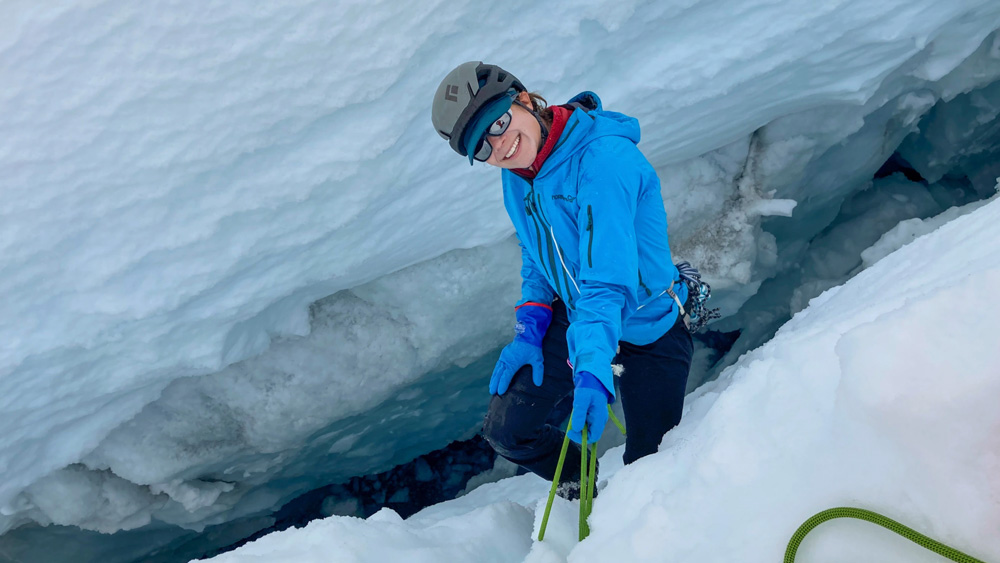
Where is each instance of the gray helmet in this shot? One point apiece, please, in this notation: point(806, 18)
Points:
point(462, 93)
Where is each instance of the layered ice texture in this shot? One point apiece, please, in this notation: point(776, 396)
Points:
point(237, 263)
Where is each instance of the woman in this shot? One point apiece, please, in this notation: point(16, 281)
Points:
point(598, 283)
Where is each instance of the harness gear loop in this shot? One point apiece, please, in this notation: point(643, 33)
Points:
point(698, 315)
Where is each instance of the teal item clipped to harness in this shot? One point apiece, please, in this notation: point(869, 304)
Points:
point(696, 314)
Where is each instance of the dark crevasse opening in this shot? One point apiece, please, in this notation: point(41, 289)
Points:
point(897, 164)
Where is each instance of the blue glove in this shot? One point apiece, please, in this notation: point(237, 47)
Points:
point(590, 406)
point(532, 321)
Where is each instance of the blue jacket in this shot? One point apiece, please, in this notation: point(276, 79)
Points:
point(594, 232)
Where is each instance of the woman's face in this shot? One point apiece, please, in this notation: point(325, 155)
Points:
point(523, 136)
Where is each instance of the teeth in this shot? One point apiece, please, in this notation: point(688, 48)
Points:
point(513, 147)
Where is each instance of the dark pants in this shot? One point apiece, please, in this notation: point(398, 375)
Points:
point(519, 425)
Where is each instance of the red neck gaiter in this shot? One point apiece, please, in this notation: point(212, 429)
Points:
point(560, 115)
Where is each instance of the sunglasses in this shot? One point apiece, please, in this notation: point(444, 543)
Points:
point(484, 149)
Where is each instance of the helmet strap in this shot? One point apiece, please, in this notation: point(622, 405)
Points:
point(541, 124)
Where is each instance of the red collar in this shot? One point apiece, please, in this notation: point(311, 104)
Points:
point(560, 115)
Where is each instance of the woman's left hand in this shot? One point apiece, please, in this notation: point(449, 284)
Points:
point(590, 407)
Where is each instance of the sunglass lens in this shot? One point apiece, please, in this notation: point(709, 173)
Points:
point(483, 151)
point(500, 125)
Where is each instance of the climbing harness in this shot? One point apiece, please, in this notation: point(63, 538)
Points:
point(588, 477)
point(875, 518)
point(697, 314)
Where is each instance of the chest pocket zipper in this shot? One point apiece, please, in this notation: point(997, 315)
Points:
point(590, 242)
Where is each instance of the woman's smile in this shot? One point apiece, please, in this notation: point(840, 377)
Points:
point(519, 145)
point(513, 148)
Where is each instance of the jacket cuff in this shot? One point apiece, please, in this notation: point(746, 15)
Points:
point(586, 380)
point(533, 320)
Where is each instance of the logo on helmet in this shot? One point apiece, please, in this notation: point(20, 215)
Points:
point(451, 93)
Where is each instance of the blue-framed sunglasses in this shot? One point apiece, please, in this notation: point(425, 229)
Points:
point(484, 149)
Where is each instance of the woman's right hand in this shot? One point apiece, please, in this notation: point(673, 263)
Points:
point(515, 355)
point(526, 350)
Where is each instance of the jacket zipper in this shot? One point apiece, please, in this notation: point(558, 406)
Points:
point(539, 224)
point(535, 211)
point(642, 285)
point(590, 243)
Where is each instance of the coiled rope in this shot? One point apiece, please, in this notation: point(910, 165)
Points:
point(875, 518)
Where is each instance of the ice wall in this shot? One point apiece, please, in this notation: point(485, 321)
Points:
point(206, 206)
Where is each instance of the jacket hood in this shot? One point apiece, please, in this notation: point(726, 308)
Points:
point(587, 123)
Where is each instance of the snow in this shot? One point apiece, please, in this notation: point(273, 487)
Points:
point(237, 264)
point(910, 229)
point(470, 537)
point(881, 395)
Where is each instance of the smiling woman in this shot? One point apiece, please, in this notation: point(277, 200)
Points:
point(598, 283)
